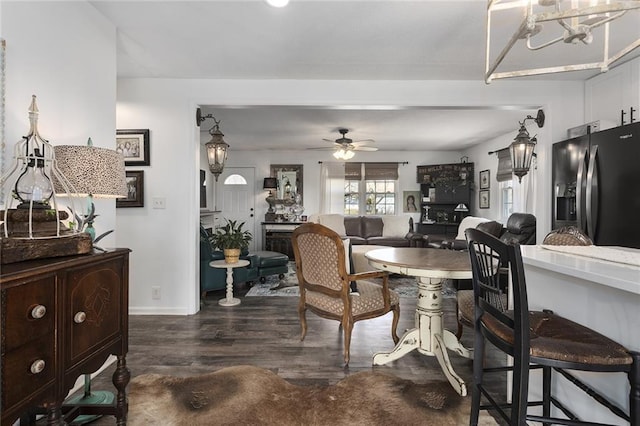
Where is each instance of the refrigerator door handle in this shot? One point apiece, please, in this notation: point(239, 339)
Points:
point(592, 193)
point(580, 188)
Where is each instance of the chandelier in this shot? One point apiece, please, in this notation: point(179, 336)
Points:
point(571, 22)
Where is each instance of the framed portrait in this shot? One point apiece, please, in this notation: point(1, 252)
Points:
point(485, 181)
point(135, 190)
point(134, 145)
point(484, 199)
point(411, 201)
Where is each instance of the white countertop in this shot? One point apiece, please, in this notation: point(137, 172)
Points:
point(616, 275)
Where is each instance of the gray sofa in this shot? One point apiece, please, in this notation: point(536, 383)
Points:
point(391, 231)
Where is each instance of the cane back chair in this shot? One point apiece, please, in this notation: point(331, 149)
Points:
point(324, 279)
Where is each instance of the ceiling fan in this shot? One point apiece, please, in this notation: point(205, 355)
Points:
point(345, 146)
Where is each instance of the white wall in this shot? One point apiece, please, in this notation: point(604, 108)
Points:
point(65, 54)
point(563, 111)
point(165, 241)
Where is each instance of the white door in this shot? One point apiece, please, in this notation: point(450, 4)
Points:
point(235, 196)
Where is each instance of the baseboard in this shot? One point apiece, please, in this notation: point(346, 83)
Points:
point(154, 310)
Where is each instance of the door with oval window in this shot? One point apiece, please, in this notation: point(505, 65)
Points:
point(235, 198)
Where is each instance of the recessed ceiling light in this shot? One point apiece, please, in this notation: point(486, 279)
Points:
point(278, 3)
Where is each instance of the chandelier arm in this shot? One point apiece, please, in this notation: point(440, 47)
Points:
point(514, 38)
point(565, 25)
point(592, 10)
point(549, 43)
point(623, 52)
point(609, 19)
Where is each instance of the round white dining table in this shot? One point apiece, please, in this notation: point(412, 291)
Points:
point(431, 266)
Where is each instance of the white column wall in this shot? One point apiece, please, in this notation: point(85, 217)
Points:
point(65, 54)
point(165, 241)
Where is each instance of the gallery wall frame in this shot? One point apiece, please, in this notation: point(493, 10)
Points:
point(485, 179)
point(410, 201)
point(484, 198)
point(134, 145)
point(135, 190)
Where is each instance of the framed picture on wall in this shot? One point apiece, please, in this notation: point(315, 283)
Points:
point(485, 181)
point(134, 145)
point(484, 199)
point(135, 190)
point(411, 201)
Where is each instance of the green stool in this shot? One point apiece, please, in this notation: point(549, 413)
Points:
point(271, 263)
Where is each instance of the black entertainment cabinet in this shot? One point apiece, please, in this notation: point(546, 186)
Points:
point(442, 188)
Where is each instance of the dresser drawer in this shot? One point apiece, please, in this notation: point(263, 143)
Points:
point(29, 311)
point(29, 369)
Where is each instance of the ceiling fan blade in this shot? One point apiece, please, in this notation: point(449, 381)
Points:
point(365, 140)
point(324, 148)
point(365, 148)
point(329, 140)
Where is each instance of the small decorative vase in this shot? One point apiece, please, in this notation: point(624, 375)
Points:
point(231, 255)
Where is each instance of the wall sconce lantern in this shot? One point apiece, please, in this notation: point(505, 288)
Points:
point(521, 148)
point(216, 148)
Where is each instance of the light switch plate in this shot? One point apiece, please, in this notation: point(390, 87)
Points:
point(159, 203)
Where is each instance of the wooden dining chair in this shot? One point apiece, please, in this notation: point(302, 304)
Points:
point(535, 339)
point(324, 279)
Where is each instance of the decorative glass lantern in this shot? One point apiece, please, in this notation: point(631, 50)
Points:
point(31, 209)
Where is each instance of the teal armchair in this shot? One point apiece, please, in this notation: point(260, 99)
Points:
point(215, 278)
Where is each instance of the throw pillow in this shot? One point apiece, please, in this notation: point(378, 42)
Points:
point(395, 226)
point(335, 222)
point(469, 222)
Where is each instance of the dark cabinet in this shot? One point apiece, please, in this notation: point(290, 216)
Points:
point(443, 187)
point(62, 318)
point(276, 236)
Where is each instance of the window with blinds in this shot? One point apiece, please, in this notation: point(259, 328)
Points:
point(370, 188)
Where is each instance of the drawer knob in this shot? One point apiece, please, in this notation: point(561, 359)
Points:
point(79, 317)
point(37, 366)
point(38, 311)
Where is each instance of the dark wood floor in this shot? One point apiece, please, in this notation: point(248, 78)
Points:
point(265, 332)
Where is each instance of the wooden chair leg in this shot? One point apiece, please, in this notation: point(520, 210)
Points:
point(303, 320)
point(348, 328)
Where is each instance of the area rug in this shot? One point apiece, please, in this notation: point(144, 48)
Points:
point(248, 395)
point(288, 285)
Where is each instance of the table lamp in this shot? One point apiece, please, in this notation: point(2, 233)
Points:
point(269, 184)
point(461, 209)
point(94, 173)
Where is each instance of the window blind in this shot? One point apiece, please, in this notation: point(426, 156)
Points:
point(381, 171)
point(505, 168)
point(353, 171)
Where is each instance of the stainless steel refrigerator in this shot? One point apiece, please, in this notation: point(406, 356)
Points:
point(596, 185)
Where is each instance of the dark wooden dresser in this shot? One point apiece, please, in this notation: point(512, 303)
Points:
point(62, 318)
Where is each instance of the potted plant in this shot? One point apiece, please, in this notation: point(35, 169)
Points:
point(231, 239)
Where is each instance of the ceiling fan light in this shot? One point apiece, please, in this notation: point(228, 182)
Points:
point(277, 3)
point(348, 155)
point(339, 154)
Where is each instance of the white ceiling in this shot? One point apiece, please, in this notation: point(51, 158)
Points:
point(335, 40)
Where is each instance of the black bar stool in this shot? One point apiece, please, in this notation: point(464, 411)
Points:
point(536, 340)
